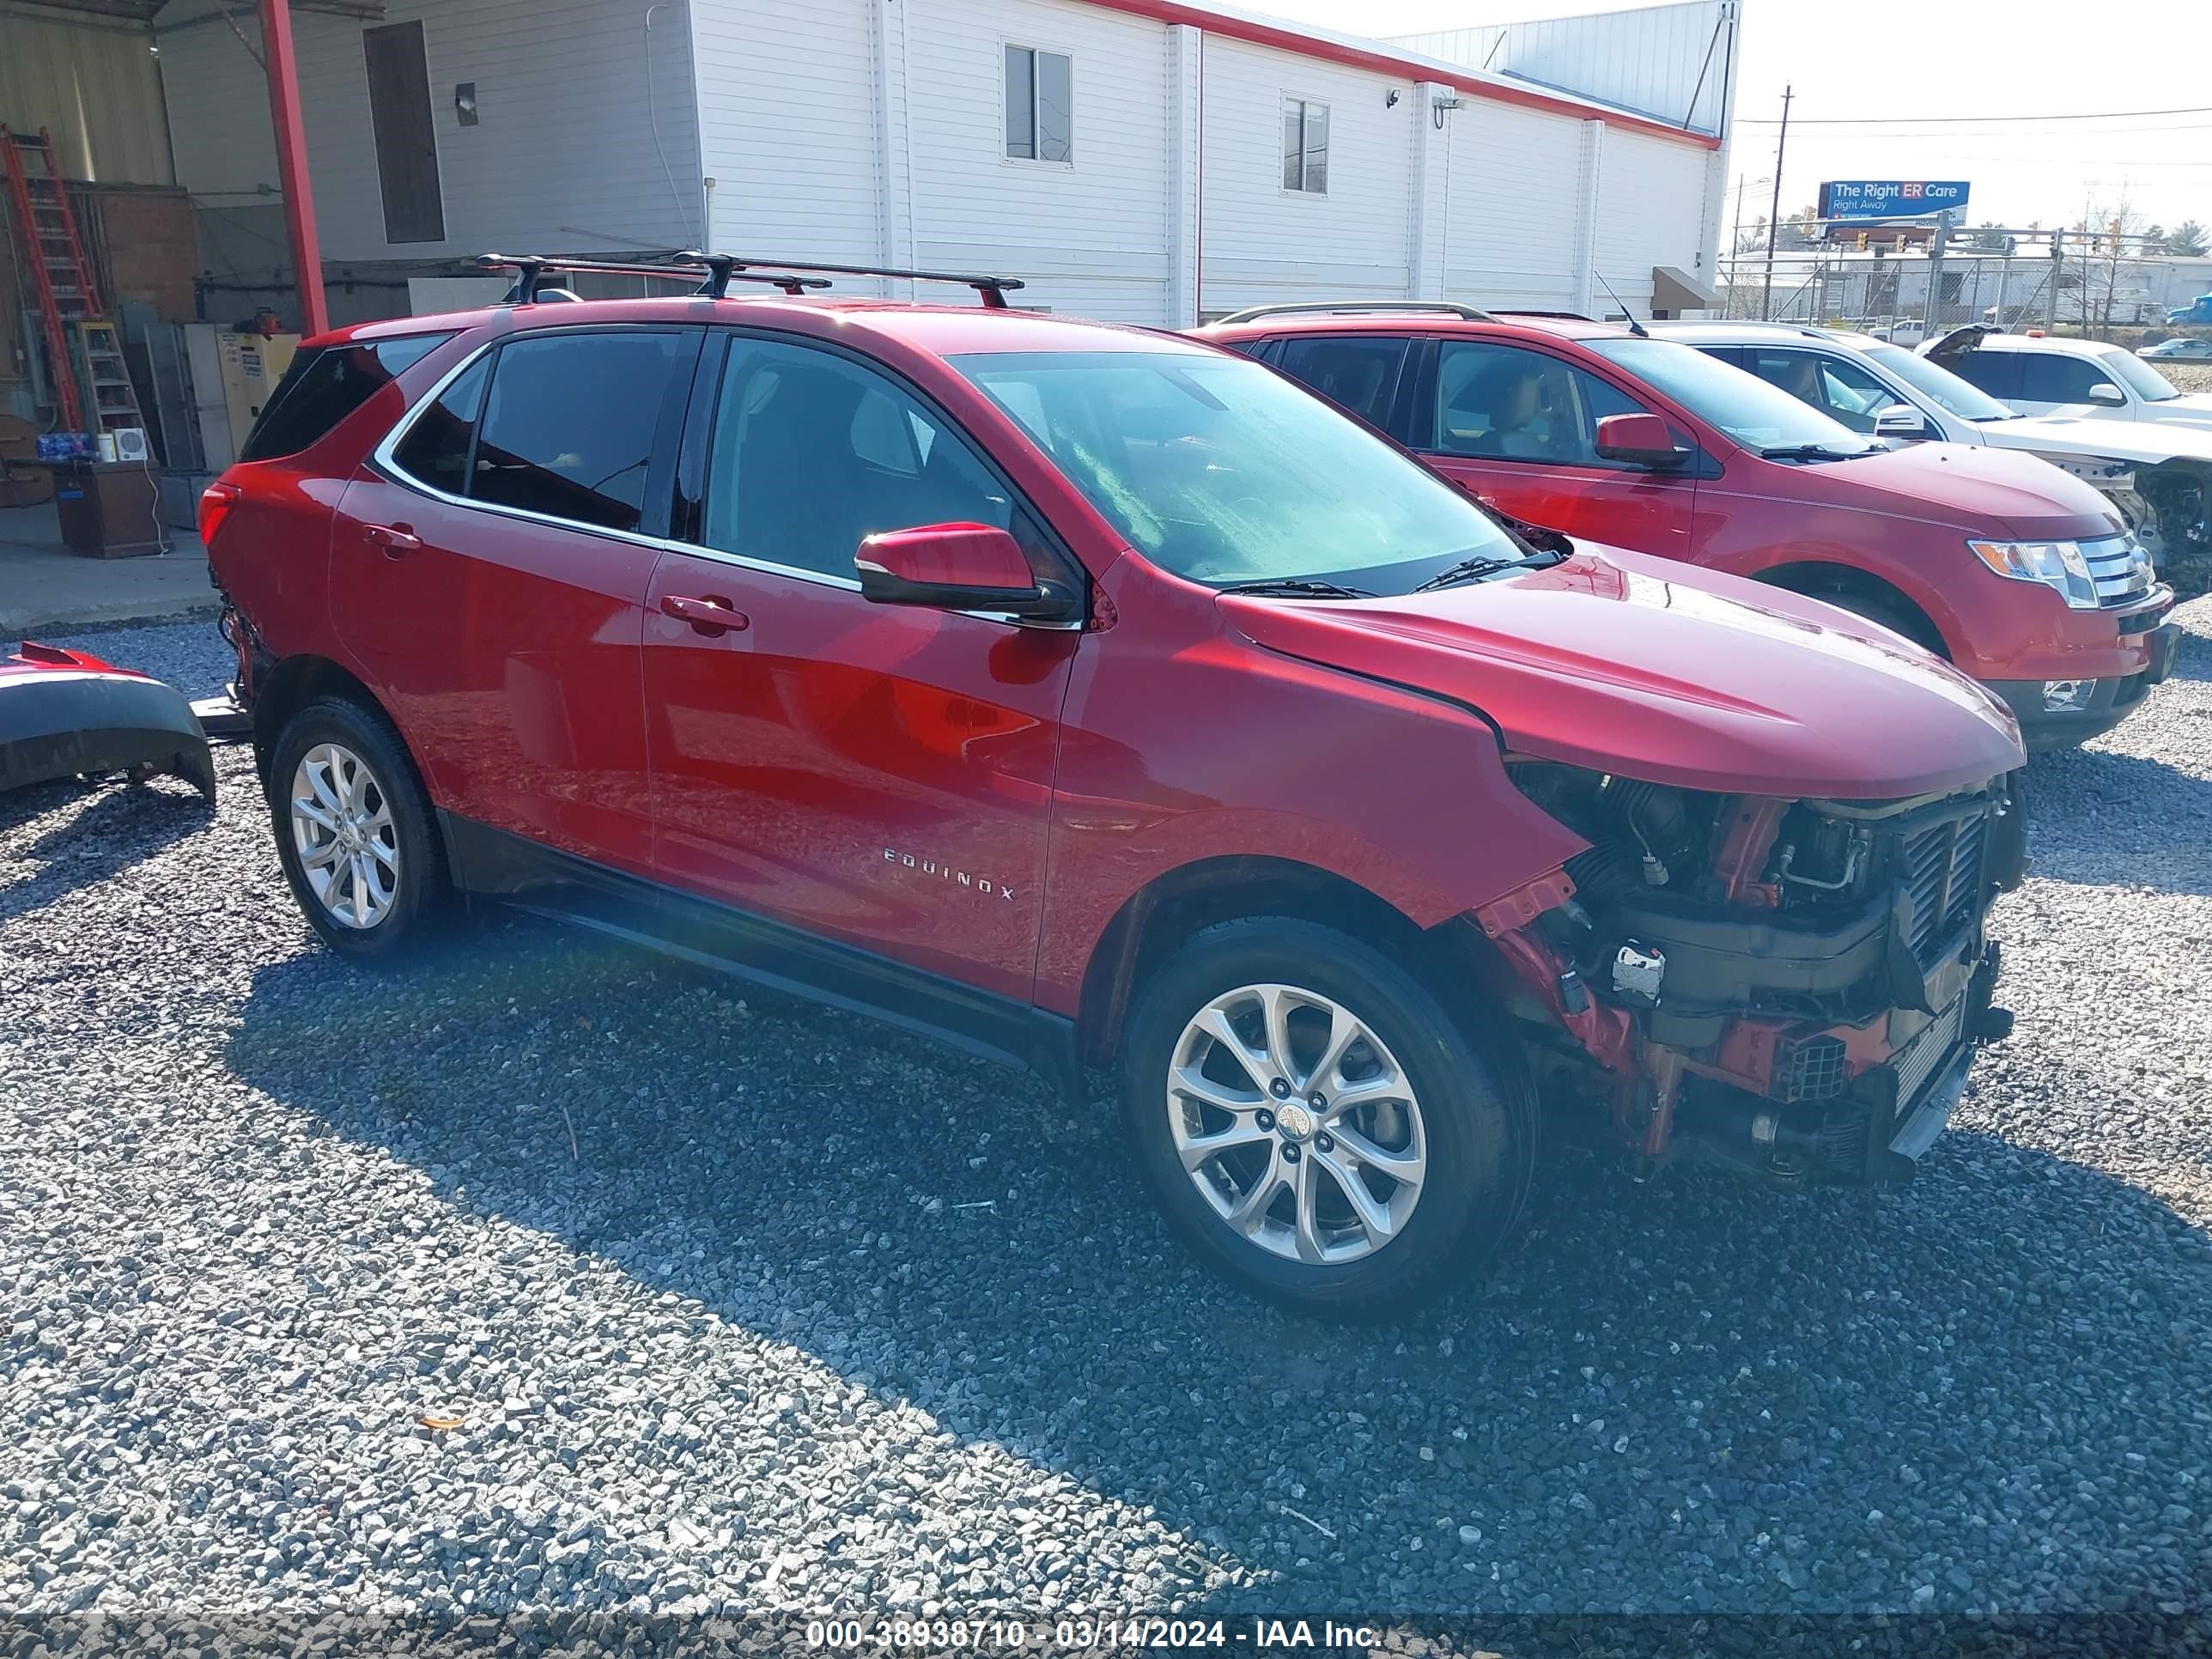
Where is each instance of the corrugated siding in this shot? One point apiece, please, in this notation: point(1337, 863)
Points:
point(1264, 243)
point(1511, 233)
point(1650, 60)
point(96, 88)
point(1090, 235)
point(788, 101)
point(1648, 190)
point(563, 155)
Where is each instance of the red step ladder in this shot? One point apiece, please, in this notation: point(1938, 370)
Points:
point(60, 273)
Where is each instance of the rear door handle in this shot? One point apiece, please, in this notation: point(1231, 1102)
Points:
point(709, 616)
point(394, 538)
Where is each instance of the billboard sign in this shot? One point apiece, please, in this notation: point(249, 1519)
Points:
point(1891, 198)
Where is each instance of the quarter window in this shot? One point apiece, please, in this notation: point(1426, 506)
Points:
point(1359, 373)
point(1040, 105)
point(325, 384)
point(570, 424)
point(812, 453)
point(1503, 402)
point(1306, 146)
point(435, 450)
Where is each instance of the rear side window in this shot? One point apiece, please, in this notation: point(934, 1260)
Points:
point(1996, 373)
point(435, 450)
point(570, 422)
point(1359, 373)
point(325, 384)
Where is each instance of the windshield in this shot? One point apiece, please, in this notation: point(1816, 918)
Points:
point(2150, 384)
point(1219, 470)
point(1939, 384)
point(1756, 415)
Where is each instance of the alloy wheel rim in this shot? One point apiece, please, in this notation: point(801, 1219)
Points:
point(1296, 1124)
point(344, 831)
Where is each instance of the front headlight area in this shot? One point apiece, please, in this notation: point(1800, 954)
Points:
point(2059, 566)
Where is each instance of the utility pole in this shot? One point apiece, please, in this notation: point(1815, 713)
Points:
point(1931, 321)
point(1766, 291)
point(2058, 270)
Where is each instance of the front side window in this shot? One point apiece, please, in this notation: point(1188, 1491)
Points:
point(2047, 378)
point(1358, 372)
point(325, 384)
point(1040, 105)
point(1505, 402)
point(1757, 416)
point(1221, 471)
point(570, 423)
point(1306, 146)
point(811, 452)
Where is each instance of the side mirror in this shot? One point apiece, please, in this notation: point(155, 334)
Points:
point(1641, 439)
point(2109, 395)
point(1903, 422)
point(957, 566)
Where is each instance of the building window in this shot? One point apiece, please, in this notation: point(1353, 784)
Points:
point(1040, 105)
point(1306, 146)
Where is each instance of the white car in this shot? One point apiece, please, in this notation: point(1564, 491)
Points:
point(2160, 476)
point(2038, 374)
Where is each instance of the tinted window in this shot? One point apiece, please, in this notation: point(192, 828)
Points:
point(811, 452)
point(435, 450)
point(1221, 471)
point(1503, 402)
point(325, 384)
point(1996, 373)
point(1360, 373)
point(570, 421)
point(2047, 378)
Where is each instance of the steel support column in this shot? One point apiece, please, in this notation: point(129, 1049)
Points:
point(292, 164)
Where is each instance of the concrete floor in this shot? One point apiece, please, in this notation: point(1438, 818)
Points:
point(45, 588)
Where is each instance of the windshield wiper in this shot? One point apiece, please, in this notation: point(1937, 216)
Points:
point(1812, 453)
point(1467, 570)
point(1298, 588)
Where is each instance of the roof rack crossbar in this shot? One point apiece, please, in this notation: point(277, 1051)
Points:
point(992, 288)
point(1328, 307)
point(530, 269)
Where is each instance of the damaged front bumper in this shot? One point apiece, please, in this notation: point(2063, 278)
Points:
point(65, 712)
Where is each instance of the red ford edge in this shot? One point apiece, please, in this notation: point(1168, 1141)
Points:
point(1090, 697)
point(2026, 579)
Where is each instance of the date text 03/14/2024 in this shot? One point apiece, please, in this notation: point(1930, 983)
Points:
point(1083, 1635)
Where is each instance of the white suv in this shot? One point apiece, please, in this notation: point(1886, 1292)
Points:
point(2160, 476)
point(2082, 378)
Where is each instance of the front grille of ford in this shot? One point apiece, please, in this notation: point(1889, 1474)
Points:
point(2120, 567)
point(1942, 872)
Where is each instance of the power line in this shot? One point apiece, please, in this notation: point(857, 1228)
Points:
point(1965, 120)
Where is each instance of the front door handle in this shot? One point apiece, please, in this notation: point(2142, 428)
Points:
point(394, 538)
point(709, 616)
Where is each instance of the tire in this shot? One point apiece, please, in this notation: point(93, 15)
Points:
point(1897, 619)
point(1307, 1247)
point(347, 763)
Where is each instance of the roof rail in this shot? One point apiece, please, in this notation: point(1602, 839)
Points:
point(992, 288)
point(530, 269)
point(1557, 316)
point(1342, 307)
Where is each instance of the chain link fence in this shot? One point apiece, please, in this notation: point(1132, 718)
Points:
point(1849, 289)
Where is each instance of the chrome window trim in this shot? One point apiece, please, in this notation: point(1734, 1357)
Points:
point(384, 457)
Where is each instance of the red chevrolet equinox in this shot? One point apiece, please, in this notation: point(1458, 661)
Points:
point(2025, 578)
point(1088, 696)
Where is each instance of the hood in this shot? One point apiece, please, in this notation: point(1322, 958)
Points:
point(1976, 489)
point(2143, 443)
point(1612, 661)
point(2192, 409)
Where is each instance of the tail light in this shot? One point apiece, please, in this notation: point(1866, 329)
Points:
point(215, 502)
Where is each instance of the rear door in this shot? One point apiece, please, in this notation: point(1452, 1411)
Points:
point(488, 574)
point(875, 775)
point(1519, 425)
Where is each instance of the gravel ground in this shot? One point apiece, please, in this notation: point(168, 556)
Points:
point(731, 1302)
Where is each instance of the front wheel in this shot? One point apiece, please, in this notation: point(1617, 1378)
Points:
point(354, 831)
point(1314, 1123)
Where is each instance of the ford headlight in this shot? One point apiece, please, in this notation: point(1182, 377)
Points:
point(2058, 565)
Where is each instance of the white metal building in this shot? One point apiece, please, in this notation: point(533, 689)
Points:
point(1141, 160)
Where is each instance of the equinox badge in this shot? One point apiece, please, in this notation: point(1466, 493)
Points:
point(934, 868)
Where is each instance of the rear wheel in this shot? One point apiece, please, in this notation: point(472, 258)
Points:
point(1316, 1123)
point(354, 829)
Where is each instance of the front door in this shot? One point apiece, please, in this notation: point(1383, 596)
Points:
point(489, 579)
point(1519, 426)
point(878, 775)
